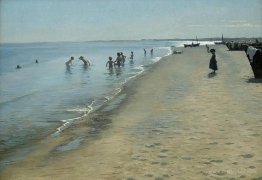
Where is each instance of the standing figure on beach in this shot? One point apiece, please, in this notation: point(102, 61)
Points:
point(70, 61)
point(110, 63)
point(131, 56)
point(151, 51)
point(118, 60)
point(144, 52)
point(213, 61)
point(36, 61)
point(207, 48)
point(85, 61)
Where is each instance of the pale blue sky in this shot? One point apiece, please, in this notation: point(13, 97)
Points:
point(85, 20)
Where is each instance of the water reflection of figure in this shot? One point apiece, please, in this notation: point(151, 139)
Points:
point(118, 71)
point(68, 70)
point(131, 62)
point(111, 71)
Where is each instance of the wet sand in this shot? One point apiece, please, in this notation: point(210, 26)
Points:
point(177, 122)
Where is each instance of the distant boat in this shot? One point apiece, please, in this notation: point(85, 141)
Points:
point(220, 42)
point(193, 44)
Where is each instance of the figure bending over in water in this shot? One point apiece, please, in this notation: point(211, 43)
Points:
point(85, 61)
point(70, 61)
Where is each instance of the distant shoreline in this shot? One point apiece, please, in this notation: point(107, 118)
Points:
point(175, 39)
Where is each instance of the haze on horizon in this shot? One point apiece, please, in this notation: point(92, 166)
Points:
point(88, 20)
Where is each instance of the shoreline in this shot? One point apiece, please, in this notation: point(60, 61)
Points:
point(14, 155)
point(174, 123)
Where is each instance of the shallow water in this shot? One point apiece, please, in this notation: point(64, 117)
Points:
point(42, 97)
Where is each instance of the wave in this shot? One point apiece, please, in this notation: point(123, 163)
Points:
point(67, 122)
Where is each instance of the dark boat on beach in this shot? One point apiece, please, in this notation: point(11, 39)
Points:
point(254, 55)
point(220, 42)
point(242, 46)
point(191, 45)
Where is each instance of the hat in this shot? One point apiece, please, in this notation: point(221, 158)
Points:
point(212, 50)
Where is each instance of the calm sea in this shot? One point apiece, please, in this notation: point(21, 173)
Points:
point(46, 96)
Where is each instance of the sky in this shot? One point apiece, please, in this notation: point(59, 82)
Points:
point(88, 20)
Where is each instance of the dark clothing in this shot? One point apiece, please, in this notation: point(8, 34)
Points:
point(213, 62)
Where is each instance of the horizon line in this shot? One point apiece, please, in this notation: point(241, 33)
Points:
point(157, 39)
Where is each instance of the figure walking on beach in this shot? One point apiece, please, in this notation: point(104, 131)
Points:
point(85, 61)
point(207, 48)
point(110, 63)
point(144, 52)
point(70, 61)
point(213, 61)
point(152, 51)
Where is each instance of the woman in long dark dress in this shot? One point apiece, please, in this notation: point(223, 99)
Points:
point(213, 61)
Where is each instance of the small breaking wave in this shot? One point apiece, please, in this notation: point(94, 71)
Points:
point(67, 122)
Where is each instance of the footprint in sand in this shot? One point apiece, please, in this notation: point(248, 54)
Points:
point(220, 173)
point(162, 155)
point(229, 143)
point(164, 150)
point(252, 167)
point(213, 143)
point(247, 155)
point(149, 175)
point(216, 161)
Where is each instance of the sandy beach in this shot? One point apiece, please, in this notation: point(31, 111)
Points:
point(176, 122)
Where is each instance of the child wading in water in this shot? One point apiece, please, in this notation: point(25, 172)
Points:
point(85, 61)
point(213, 61)
point(110, 62)
point(70, 61)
